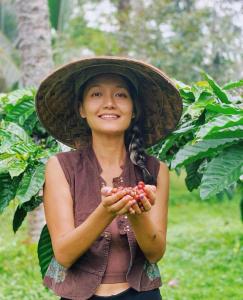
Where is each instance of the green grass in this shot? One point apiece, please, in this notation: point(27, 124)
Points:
point(204, 252)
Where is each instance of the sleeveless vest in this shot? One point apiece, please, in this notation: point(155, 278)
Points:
point(80, 281)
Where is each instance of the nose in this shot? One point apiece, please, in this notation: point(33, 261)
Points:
point(109, 101)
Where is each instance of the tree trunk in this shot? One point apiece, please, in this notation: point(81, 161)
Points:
point(36, 56)
point(123, 8)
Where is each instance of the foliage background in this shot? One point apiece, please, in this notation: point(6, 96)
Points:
point(204, 253)
point(177, 36)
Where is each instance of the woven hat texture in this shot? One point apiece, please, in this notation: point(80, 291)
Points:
point(57, 93)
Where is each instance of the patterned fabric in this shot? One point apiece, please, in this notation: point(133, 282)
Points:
point(56, 271)
point(151, 270)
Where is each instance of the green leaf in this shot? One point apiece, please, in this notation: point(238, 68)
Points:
point(218, 123)
point(17, 167)
point(22, 210)
point(20, 112)
point(222, 171)
point(45, 251)
point(17, 131)
point(25, 149)
point(31, 183)
point(8, 189)
point(12, 164)
point(193, 151)
point(227, 109)
point(16, 95)
point(19, 217)
point(5, 161)
point(193, 178)
point(217, 89)
point(231, 132)
point(233, 85)
point(184, 130)
point(196, 108)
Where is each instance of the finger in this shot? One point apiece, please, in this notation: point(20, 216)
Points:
point(146, 205)
point(114, 198)
point(131, 211)
point(126, 208)
point(136, 208)
point(120, 204)
point(150, 193)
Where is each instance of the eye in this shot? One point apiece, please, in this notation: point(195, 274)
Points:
point(121, 95)
point(96, 94)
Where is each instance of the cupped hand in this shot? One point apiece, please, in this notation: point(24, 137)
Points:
point(117, 203)
point(146, 201)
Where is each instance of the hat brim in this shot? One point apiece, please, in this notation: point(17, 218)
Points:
point(56, 94)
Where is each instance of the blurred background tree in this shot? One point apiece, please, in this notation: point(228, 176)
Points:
point(179, 37)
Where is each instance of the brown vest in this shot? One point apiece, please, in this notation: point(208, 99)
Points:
point(80, 281)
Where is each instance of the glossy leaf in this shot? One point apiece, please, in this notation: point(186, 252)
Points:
point(231, 132)
point(222, 171)
point(217, 89)
point(17, 131)
point(8, 189)
point(193, 151)
point(233, 85)
point(45, 251)
point(227, 109)
point(193, 178)
point(19, 216)
point(21, 111)
point(23, 209)
point(218, 123)
point(31, 183)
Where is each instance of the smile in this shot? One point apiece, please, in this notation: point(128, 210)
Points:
point(109, 117)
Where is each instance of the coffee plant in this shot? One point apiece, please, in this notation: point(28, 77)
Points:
point(208, 144)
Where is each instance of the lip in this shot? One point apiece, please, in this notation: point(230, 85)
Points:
point(109, 116)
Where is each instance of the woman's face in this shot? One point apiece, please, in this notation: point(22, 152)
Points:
point(107, 104)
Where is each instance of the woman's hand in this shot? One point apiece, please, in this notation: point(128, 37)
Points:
point(146, 200)
point(117, 203)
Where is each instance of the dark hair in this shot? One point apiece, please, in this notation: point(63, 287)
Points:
point(134, 140)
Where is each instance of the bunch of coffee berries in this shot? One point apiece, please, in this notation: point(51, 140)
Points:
point(137, 193)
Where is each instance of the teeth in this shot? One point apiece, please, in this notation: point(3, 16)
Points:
point(108, 117)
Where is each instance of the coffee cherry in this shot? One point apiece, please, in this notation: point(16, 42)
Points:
point(137, 192)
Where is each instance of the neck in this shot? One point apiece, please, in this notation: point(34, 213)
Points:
point(109, 151)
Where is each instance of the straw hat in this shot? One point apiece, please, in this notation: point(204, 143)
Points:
point(57, 93)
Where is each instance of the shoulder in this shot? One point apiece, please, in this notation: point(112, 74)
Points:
point(163, 175)
point(68, 158)
point(64, 162)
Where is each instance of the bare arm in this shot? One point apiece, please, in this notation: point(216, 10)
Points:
point(68, 242)
point(150, 227)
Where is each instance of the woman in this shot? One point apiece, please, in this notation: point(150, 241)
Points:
point(106, 243)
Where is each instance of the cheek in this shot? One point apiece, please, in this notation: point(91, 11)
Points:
point(127, 107)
